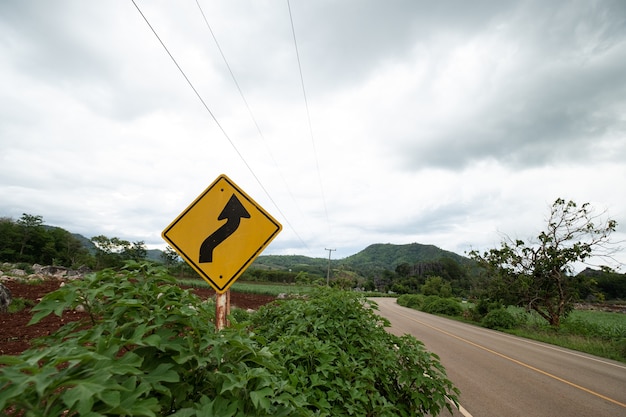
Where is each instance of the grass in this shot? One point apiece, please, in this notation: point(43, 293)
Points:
point(271, 289)
point(267, 288)
point(614, 350)
point(264, 288)
point(595, 332)
point(18, 304)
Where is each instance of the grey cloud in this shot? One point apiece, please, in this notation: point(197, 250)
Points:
point(46, 44)
point(63, 46)
point(558, 104)
point(346, 44)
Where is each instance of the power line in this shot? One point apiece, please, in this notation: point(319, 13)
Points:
point(195, 91)
point(214, 118)
point(229, 69)
point(256, 124)
point(308, 114)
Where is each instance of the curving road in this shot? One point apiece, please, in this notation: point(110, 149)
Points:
point(500, 375)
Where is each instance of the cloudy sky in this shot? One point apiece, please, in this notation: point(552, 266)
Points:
point(447, 123)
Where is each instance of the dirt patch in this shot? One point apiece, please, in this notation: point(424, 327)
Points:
point(16, 336)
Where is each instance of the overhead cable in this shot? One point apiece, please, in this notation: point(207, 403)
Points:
point(308, 114)
point(256, 124)
point(210, 112)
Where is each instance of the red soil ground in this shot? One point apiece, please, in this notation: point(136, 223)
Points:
point(15, 335)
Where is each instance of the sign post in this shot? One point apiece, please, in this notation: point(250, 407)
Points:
point(222, 310)
point(219, 235)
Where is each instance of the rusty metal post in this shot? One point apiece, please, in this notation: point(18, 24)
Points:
point(222, 310)
point(227, 307)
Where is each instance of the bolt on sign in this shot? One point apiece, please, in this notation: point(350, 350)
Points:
point(221, 233)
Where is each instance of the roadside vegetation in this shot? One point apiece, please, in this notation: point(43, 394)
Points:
point(19, 304)
point(595, 332)
point(146, 351)
point(28, 241)
point(526, 287)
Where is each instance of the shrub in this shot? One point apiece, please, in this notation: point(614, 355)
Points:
point(149, 349)
point(415, 301)
point(446, 306)
point(499, 319)
point(18, 304)
point(337, 352)
point(482, 307)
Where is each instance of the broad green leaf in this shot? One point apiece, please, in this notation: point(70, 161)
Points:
point(231, 382)
point(259, 398)
point(81, 396)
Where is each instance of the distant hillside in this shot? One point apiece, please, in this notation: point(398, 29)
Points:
point(375, 257)
point(88, 244)
point(154, 255)
point(389, 256)
point(291, 262)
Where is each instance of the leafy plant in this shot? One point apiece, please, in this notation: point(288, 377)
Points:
point(447, 306)
point(18, 304)
point(538, 275)
point(337, 353)
point(415, 301)
point(480, 309)
point(149, 349)
point(499, 318)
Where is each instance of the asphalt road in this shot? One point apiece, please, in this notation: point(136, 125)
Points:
point(500, 375)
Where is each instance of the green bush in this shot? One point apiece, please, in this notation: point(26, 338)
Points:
point(481, 308)
point(499, 319)
point(446, 306)
point(149, 348)
point(18, 304)
point(484, 306)
point(415, 301)
point(338, 354)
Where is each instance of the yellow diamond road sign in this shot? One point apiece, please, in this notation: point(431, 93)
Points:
point(221, 233)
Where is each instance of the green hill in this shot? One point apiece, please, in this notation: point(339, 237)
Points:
point(294, 263)
point(377, 257)
point(388, 256)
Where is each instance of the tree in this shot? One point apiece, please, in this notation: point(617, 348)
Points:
point(109, 251)
point(437, 286)
point(68, 250)
point(538, 275)
point(9, 240)
point(30, 226)
point(135, 252)
point(169, 256)
point(403, 270)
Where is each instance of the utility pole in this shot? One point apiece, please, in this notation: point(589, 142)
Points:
point(328, 273)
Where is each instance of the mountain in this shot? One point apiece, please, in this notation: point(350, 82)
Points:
point(154, 255)
point(376, 257)
point(88, 244)
point(389, 256)
point(380, 256)
point(292, 262)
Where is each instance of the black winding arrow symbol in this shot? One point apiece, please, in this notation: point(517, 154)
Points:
point(233, 212)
